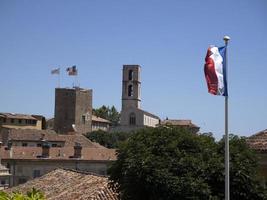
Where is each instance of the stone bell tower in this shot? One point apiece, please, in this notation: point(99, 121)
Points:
point(131, 86)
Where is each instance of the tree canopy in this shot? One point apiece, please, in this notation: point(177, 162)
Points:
point(109, 140)
point(30, 195)
point(108, 113)
point(164, 163)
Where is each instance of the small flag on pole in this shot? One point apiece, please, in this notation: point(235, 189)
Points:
point(215, 71)
point(72, 71)
point(55, 71)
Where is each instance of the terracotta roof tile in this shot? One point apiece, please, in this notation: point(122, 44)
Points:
point(176, 122)
point(258, 141)
point(70, 185)
point(17, 116)
point(49, 135)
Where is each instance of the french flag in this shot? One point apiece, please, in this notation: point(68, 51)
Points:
point(215, 70)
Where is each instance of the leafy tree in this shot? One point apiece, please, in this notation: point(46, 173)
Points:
point(164, 163)
point(109, 140)
point(110, 114)
point(31, 195)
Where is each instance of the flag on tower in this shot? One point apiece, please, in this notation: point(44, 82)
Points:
point(72, 71)
point(215, 70)
point(55, 71)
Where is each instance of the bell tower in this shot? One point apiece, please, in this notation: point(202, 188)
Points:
point(131, 87)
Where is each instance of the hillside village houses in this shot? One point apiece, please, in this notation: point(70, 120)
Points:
point(32, 146)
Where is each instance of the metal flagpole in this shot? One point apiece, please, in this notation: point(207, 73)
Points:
point(59, 79)
point(227, 174)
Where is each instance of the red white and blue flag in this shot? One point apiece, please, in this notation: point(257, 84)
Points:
point(215, 70)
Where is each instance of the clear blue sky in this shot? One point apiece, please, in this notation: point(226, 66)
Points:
point(168, 39)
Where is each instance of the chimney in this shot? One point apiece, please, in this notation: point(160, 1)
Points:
point(77, 150)
point(45, 149)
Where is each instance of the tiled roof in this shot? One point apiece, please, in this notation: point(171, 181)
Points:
point(176, 122)
point(58, 153)
point(17, 116)
point(62, 184)
point(150, 114)
point(50, 136)
point(99, 119)
point(258, 141)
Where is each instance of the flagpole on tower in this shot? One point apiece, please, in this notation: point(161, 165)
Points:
point(227, 174)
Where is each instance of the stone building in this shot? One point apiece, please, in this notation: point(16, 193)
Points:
point(132, 116)
point(73, 110)
point(258, 142)
point(22, 121)
point(27, 163)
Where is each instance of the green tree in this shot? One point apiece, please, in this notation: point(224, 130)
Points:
point(164, 163)
point(109, 140)
point(108, 113)
point(31, 195)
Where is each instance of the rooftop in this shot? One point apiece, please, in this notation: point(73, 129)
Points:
point(177, 122)
point(17, 116)
point(49, 135)
point(258, 141)
point(68, 185)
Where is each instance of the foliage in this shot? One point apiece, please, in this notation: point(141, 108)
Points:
point(164, 163)
point(31, 195)
point(109, 140)
point(108, 113)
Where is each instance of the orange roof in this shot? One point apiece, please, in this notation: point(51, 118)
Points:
point(178, 122)
point(49, 135)
point(69, 185)
point(17, 116)
point(258, 141)
point(99, 119)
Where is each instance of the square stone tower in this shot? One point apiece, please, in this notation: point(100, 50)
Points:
point(131, 85)
point(73, 110)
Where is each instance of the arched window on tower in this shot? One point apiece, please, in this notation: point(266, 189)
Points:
point(132, 119)
point(130, 90)
point(130, 75)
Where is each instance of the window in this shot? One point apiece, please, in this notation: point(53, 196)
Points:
point(36, 173)
point(130, 90)
point(4, 120)
point(22, 180)
point(54, 145)
point(20, 121)
point(130, 75)
point(83, 119)
point(24, 144)
point(39, 145)
point(12, 121)
point(132, 119)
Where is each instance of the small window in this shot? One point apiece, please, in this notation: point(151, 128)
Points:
point(20, 121)
point(83, 119)
point(130, 75)
point(54, 145)
point(12, 121)
point(39, 145)
point(3, 182)
point(24, 144)
point(130, 90)
point(4, 120)
point(22, 180)
point(36, 173)
point(132, 119)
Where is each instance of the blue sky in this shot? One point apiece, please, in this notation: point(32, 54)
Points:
point(168, 39)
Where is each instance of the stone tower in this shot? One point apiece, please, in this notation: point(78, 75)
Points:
point(131, 98)
point(73, 110)
point(131, 86)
